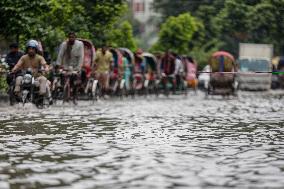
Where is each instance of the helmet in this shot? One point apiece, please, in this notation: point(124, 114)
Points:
point(32, 43)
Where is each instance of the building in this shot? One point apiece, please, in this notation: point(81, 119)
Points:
point(142, 12)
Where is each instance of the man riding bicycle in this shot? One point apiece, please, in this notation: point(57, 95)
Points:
point(71, 57)
point(71, 53)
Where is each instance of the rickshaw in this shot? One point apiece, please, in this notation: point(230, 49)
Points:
point(127, 66)
point(222, 76)
point(116, 72)
point(167, 79)
point(139, 70)
point(85, 86)
point(151, 81)
point(89, 83)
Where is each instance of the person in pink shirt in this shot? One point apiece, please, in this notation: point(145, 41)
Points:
point(191, 72)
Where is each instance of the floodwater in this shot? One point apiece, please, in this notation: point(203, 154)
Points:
point(174, 142)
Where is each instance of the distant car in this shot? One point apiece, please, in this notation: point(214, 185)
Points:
point(204, 77)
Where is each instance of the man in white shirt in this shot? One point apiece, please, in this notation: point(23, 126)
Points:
point(71, 53)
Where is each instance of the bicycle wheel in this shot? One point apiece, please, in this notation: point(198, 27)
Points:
point(66, 93)
point(74, 94)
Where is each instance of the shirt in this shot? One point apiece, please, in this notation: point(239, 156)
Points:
point(76, 56)
point(25, 62)
point(191, 71)
point(178, 67)
point(12, 58)
point(103, 61)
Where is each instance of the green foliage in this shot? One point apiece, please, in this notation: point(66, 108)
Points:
point(267, 26)
point(226, 23)
point(252, 21)
point(50, 20)
point(203, 52)
point(123, 37)
point(52, 39)
point(19, 16)
point(3, 84)
point(102, 17)
point(174, 8)
point(176, 34)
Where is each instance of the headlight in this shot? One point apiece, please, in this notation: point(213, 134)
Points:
point(27, 78)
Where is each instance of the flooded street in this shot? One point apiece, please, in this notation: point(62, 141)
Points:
point(174, 142)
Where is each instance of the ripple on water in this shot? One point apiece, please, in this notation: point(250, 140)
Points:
point(153, 143)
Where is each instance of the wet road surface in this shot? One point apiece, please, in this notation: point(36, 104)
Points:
point(174, 142)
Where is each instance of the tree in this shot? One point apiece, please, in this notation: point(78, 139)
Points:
point(267, 26)
point(206, 39)
point(102, 17)
point(207, 15)
point(123, 37)
point(254, 21)
point(229, 22)
point(19, 16)
point(51, 20)
point(176, 34)
point(174, 8)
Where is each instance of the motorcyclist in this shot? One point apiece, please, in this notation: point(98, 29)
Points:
point(13, 56)
point(34, 62)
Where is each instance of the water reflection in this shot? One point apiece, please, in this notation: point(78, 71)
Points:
point(153, 143)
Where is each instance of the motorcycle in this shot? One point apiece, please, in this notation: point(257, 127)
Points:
point(30, 91)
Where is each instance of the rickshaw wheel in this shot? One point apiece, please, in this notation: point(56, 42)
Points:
point(156, 91)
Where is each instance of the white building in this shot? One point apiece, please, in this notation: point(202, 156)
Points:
point(143, 12)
